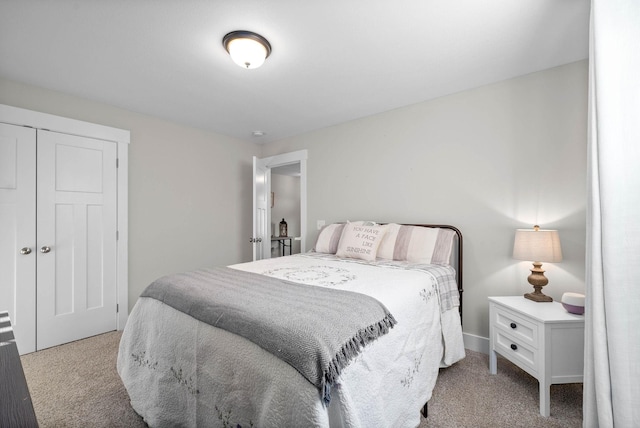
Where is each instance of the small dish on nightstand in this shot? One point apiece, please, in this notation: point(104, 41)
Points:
point(573, 303)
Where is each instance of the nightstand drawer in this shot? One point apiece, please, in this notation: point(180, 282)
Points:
point(519, 328)
point(520, 354)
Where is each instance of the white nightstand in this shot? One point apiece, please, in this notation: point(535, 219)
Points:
point(541, 338)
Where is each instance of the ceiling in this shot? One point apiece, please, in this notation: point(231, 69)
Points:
point(332, 60)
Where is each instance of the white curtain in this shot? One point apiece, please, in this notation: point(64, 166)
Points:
point(612, 315)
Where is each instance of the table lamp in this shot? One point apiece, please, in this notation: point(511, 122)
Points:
point(537, 246)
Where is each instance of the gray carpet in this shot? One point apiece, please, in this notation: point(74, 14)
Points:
point(76, 385)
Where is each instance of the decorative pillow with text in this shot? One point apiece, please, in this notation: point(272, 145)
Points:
point(360, 242)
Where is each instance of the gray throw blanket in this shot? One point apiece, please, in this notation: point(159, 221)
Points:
point(316, 330)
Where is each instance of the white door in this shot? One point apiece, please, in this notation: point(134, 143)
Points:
point(76, 224)
point(18, 232)
point(261, 213)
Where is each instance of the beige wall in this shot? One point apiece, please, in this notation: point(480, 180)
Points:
point(189, 190)
point(488, 160)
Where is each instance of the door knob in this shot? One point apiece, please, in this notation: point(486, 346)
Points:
point(45, 249)
point(25, 250)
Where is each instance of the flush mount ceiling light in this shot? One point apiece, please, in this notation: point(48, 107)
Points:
point(247, 49)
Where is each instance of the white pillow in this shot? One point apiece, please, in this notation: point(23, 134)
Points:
point(417, 244)
point(360, 242)
point(328, 238)
point(363, 223)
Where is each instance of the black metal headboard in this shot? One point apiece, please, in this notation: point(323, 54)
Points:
point(457, 255)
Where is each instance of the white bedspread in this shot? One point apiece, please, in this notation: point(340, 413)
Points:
point(181, 372)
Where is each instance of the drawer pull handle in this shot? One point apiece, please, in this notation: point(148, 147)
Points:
point(513, 325)
point(514, 346)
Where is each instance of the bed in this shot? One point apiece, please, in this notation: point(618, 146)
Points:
point(182, 369)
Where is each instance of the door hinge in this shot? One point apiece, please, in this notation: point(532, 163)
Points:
point(117, 235)
point(117, 163)
point(117, 308)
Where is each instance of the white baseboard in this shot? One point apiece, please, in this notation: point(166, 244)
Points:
point(476, 343)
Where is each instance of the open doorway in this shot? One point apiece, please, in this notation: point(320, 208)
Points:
point(288, 196)
point(285, 208)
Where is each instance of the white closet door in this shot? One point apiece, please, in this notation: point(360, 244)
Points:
point(76, 222)
point(18, 232)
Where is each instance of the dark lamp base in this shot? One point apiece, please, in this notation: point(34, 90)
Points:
point(538, 280)
point(538, 297)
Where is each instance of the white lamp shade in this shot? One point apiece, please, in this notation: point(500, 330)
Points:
point(247, 53)
point(537, 246)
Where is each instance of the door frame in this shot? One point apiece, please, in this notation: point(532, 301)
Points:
point(33, 119)
point(300, 157)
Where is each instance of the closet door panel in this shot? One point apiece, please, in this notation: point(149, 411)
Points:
point(18, 231)
point(76, 237)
